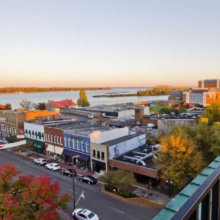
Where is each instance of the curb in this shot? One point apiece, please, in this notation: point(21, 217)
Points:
point(133, 200)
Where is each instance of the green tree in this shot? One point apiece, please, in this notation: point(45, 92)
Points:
point(179, 158)
point(120, 179)
point(83, 100)
point(182, 110)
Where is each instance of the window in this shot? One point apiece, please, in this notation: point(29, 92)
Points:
point(48, 138)
point(55, 139)
point(15, 131)
point(103, 155)
point(65, 142)
point(87, 147)
point(61, 141)
point(69, 142)
point(51, 138)
point(58, 140)
point(73, 142)
point(98, 154)
point(77, 142)
point(94, 153)
point(82, 146)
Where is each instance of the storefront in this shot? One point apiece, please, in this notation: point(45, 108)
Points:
point(98, 166)
point(54, 150)
point(82, 161)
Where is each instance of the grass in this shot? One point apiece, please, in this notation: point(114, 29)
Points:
point(157, 108)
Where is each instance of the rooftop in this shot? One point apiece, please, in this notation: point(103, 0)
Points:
point(112, 108)
point(63, 103)
point(121, 139)
point(141, 156)
point(176, 92)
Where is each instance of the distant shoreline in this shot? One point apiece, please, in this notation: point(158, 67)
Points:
point(127, 95)
point(22, 90)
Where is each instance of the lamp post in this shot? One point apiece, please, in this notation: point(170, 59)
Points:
point(170, 184)
point(74, 200)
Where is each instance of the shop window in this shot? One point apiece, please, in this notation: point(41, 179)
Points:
point(73, 142)
point(61, 141)
point(98, 154)
point(82, 146)
point(94, 153)
point(103, 156)
point(87, 147)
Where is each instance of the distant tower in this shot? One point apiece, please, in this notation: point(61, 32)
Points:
point(139, 114)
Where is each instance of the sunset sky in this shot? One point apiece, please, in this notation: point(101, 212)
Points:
point(108, 42)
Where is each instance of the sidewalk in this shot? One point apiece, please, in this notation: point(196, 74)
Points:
point(152, 195)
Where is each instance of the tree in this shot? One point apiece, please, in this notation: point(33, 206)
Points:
point(83, 100)
point(179, 158)
point(27, 105)
point(29, 197)
point(207, 138)
point(213, 113)
point(40, 106)
point(5, 107)
point(120, 179)
point(182, 110)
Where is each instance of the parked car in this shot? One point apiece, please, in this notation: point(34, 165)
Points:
point(40, 161)
point(88, 179)
point(52, 166)
point(68, 172)
point(82, 214)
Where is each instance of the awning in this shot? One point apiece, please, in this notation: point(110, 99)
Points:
point(70, 153)
point(58, 150)
point(39, 145)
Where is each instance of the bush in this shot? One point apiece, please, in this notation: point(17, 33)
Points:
point(123, 194)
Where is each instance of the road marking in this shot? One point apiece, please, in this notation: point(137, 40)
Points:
point(117, 210)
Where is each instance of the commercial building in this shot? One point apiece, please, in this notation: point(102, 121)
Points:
point(176, 96)
point(209, 83)
point(114, 111)
point(15, 121)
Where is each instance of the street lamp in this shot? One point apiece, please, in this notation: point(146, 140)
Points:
point(74, 200)
point(170, 184)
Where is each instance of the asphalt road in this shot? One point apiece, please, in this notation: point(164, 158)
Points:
point(106, 207)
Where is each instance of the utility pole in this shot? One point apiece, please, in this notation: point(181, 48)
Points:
point(74, 199)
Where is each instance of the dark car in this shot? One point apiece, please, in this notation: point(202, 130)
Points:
point(88, 179)
point(68, 172)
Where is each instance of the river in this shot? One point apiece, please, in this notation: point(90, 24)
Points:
point(15, 99)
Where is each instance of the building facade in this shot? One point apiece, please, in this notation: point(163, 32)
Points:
point(76, 144)
point(53, 141)
point(35, 137)
point(2, 130)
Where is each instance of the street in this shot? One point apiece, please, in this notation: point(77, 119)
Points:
point(106, 207)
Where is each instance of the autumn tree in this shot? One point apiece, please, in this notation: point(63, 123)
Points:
point(120, 179)
point(29, 197)
point(27, 105)
point(179, 158)
point(83, 100)
point(213, 113)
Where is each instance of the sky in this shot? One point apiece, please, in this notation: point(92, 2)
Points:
point(116, 43)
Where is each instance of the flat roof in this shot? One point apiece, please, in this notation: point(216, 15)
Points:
point(112, 108)
point(121, 139)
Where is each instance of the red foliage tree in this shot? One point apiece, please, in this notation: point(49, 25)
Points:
point(29, 197)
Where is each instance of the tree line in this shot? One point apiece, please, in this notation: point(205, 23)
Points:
point(160, 90)
point(39, 89)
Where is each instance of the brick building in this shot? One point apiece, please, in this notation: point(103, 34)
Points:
point(209, 83)
point(15, 121)
point(2, 130)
